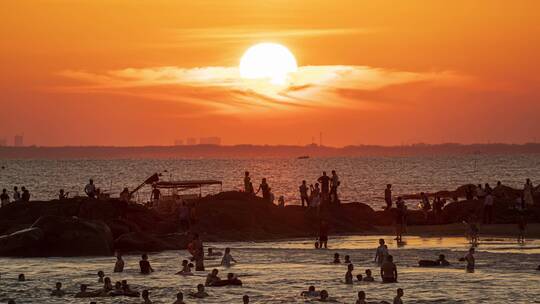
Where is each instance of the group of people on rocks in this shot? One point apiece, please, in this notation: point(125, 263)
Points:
point(327, 193)
point(16, 196)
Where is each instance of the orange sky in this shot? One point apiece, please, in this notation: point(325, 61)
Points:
point(95, 72)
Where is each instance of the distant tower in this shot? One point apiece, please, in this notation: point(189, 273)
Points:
point(18, 140)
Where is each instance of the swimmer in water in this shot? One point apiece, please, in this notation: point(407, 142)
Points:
point(227, 258)
point(361, 298)
point(144, 265)
point(348, 274)
point(146, 297)
point(245, 299)
point(212, 278)
point(347, 259)
point(200, 292)
point(368, 277)
point(119, 265)
point(84, 292)
point(117, 291)
point(179, 298)
point(21, 278)
point(469, 258)
point(101, 275)
point(186, 268)
point(442, 260)
point(211, 252)
point(127, 290)
point(397, 299)
point(311, 292)
point(233, 279)
point(359, 277)
point(389, 270)
point(324, 297)
point(336, 258)
point(58, 292)
point(107, 284)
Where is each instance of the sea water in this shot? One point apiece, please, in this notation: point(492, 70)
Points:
point(278, 271)
point(363, 179)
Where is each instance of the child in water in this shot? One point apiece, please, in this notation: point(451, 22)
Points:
point(227, 258)
point(336, 258)
point(100, 275)
point(145, 266)
point(368, 277)
point(361, 298)
point(58, 292)
point(179, 298)
point(347, 259)
point(348, 274)
point(311, 292)
point(146, 297)
point(200, 292)
point(119, 265)
point(359, 277)
point(21, 278)
point(186, 268)
point(245, 299)
point(397, 299)
point(469, 258)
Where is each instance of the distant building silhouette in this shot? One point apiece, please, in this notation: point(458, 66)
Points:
point(18, 141)
point(210, 141)
point(179, 142)
point(191, 141)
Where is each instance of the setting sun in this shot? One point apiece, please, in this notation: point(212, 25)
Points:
point(268, 60)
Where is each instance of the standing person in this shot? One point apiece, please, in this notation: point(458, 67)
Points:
point(469, 258)
point(247, 182)
point(388, 196)
point(4, 198)
point(16, 194)
point(480, 193)
point(155, 195)
point(488, 208)
point(265, 188)
point(381, 253)
point(522, 225)
point(334, 182)
point(528, 193)
point(125, 196)
point(119, 265)
point(196, 249)
point(325, 186)
point(400, 218)
point(389, 270)
point(62, 195)
point(90, 189)
point(25, 196)
point(304, 193)
point(144, 265)
point(323, 234)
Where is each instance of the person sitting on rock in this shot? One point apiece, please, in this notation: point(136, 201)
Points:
point(119, 265)
point(179, 298)
point(211, 252)
point(227, 258)
point(21, 277)
point(146, 297)
point(84, 293)
point(200, 292)
point(348, 274)
point(347, 259)
point(311, 292)
point(58, 292)
point(101, 275)
point(186, 268)
point(145, 266)
point(212, 278)
point(368, 277)
point(336, 258)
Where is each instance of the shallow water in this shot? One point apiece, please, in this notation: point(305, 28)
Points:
point(276, 272)
point(363, 178)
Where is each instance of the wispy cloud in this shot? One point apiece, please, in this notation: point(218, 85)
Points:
point(222, 90)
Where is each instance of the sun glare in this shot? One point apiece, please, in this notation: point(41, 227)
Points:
point(268, 61)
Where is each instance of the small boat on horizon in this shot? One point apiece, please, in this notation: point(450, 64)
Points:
point(303, 157)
